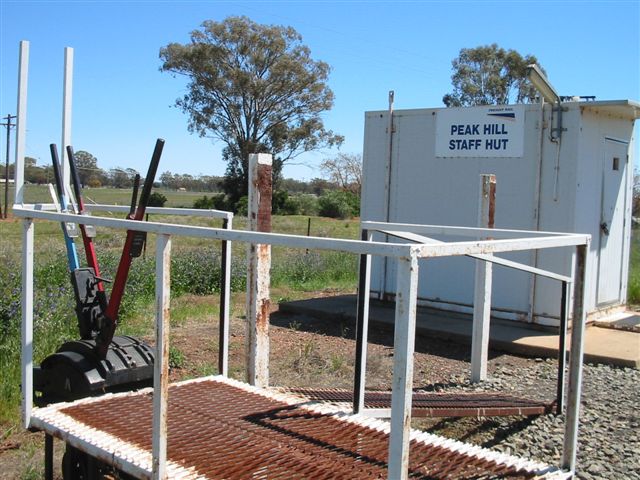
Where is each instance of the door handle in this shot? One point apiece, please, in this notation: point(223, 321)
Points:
point(605, 228)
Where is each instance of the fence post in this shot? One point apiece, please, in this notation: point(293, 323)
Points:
point(258, 275)
point(483, 280)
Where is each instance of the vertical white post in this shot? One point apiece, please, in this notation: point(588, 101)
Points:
point(404, 343)
point(21, 121)
point(225, 299)
point(258, 276)
point(67, 96)
point(161, 366)
point(27, 321)
point(483, 281)
point(570, 446)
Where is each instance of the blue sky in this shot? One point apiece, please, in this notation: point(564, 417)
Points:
point(122, 102)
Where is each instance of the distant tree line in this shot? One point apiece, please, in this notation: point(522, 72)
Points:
point(88, 171)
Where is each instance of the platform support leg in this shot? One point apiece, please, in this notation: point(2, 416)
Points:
point(225, 298)
point(161, 367)
point(48, 457)
point(569, 450)
point(562, 346)
point(404, 344)
point(362, 328)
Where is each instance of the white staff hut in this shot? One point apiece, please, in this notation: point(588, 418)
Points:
point(567, 169)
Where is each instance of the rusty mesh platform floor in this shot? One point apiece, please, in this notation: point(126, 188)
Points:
point(220, 428)
point(427, 404)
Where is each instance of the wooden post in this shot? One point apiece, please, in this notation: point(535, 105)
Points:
point(161, 367)
point(404, 343)
point(570, 446)
point(258, 276)
point(483, 280)
point(27, 321)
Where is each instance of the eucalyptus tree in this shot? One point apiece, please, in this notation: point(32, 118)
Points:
point(256, 89)
point(490, 75)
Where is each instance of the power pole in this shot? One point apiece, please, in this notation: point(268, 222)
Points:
point(8, 125)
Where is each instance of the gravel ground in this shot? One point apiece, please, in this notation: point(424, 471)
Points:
point(609, 435)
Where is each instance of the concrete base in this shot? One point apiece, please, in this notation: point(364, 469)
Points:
point(602, 345)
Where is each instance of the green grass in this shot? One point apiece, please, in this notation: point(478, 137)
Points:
point(633, 289)
point(110, 196)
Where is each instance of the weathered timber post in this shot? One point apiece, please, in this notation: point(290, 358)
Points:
point(258, 275)
point(483, 280)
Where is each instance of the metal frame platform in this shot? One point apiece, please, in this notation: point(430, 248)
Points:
point(222, 428)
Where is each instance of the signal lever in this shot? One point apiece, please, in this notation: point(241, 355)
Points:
point(132, 248)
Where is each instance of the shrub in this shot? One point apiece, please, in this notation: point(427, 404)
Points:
point(242, 207)
point(306, 204)
point(94, 182)
point(339, 204)
point(157, 200)
point(216, 202)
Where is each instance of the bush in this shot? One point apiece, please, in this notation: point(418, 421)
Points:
point(157, 200)
point(216, 202)
point(94, 183)
point(306, 204)
point(339, 204)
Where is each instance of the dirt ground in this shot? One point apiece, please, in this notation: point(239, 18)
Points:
point(304, 352)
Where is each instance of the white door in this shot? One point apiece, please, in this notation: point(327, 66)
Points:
point(614, 176)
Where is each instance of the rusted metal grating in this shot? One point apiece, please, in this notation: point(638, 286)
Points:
point(427, 404)
point(219, 428)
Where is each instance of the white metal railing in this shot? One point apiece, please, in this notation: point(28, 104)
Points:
point(406, 256)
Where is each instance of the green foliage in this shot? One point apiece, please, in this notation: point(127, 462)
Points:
point(305, 205)
point(339, 204)
point(490, 75)
point(177, 359)
point(157, 199)
point(198, 272)
point(215, 202)
point(633, 287)
point(87, 167)
point(313, 270)
point(255, 88)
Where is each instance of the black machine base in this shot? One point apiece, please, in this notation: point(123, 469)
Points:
point(75, 371)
